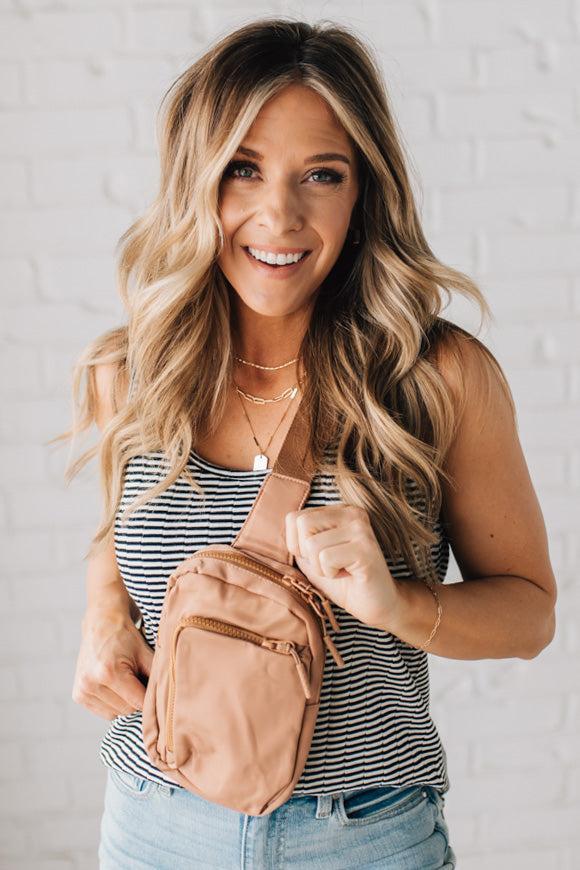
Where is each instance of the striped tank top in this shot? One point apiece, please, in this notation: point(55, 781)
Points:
point(373, 727)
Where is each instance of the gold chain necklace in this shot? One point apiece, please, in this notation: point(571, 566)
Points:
point(288, 393)
point(261, 459)
point(265, 368)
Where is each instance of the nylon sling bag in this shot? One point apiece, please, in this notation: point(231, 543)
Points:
point(234, 689)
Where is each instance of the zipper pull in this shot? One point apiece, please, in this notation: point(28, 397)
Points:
point(274, 645)
point(335, 653)
point(310, 590)
point(316, 598)
point(330, 613)
point(330, 644)
point(301, 670)
point(303, 585)
point(289, 647)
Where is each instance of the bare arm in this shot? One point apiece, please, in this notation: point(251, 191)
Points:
point(505, 606)
point(114, 658)
point(104, 584)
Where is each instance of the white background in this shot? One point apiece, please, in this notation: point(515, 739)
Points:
point(487, 96)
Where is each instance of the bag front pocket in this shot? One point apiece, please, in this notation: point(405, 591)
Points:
point(232, 694)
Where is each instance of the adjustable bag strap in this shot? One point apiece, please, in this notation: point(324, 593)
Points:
point(284, 489)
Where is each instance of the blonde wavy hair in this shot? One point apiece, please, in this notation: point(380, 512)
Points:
point(373, 344)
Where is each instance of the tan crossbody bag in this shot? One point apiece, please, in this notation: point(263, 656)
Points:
point(234, 690)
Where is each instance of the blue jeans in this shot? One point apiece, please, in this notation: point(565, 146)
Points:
point(157, 826)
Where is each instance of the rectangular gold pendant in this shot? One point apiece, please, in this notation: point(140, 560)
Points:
point(260, 462)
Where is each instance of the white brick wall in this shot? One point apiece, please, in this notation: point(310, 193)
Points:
point(487, 96)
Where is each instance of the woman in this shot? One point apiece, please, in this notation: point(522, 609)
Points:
point(283, 262)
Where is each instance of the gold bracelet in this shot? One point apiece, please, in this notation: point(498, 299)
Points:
point(439, 612)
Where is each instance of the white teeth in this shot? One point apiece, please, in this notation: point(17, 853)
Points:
point(277, 259)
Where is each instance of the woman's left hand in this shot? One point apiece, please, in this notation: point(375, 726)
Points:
point(336, 548)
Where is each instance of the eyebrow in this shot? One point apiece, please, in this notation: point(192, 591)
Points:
point(314, 158)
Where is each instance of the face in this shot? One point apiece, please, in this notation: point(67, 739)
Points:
point(277, 196)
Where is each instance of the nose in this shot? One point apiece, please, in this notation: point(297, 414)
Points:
point(280, 210)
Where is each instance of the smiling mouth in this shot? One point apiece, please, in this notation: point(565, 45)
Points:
point(274, 267)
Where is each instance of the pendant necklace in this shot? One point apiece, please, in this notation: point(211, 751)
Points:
point(261, 459)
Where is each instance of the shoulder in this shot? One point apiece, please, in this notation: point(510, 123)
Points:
point(475, 380)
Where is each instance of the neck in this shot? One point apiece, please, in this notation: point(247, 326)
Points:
point(266, 341)
point(267, 346)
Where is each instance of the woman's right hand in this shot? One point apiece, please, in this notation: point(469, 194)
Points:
point(112, 655)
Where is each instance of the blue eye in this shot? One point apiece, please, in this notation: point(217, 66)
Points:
point(333, 176)
point(233, 167)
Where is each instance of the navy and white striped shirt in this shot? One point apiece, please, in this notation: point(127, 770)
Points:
point(373, 727)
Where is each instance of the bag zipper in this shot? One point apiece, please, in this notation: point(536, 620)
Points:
point(302, 587)
point(219, 626)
